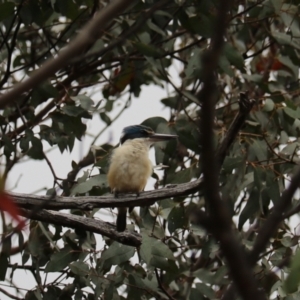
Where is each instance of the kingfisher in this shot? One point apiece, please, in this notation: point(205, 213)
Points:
point(130, 166)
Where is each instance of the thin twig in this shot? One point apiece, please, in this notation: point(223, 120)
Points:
point(161, 285)
point(52, 170)
point(9, 295)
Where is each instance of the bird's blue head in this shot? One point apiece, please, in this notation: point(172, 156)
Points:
point(141, 131)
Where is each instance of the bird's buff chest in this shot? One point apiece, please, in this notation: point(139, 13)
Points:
point(130, 167)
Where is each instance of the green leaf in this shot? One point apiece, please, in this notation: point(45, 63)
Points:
point(146, 247)
point(61, 259)
point(295, 114)
point(234, 57)
point(256, 78)
point(285, 60)
point(42, 93)
point(155, 28)
point(291, 284)
point(177, 219)
point(62, 143)
point(260, 149)
point(154, 122)
point(72, 110)
point(24, 143)
point(111, 292)
point(133, 293)
point(83, 187)
point(194, 64)
point(52, 293)
point(117, 254)
point(38, 245)
point(247, 180)
point(148, 50)
point(290, 149)
point(36, 151)
point(206, 23)
point(68, 8)
point(277, 5)
point(6, 10)
point(268, 105)
point(283, 137)
point(191, 97)
point(200, 24)
point(285, 39)
point(224, 64)
point(287, 242)
point(273, 189)
point(79, 268)
point(33, 295)
point(68, 126)
point(180, 177)
point(187, 133)
point(8, 146)
point(159, 249)
point(85, 102)
point(196, 295)
point(171, 102)
point(230, 163)
point(205, 290)
point(252, 207)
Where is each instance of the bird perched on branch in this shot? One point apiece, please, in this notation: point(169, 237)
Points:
point(130, 166)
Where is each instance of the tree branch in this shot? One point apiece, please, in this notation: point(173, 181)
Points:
point(245, 105)
point(161, 286)
point(83, 223)
point(270, 226)
point(9, 295)
point(89, 34)
point(90, 202)
point(274, 219)
point(218, 211)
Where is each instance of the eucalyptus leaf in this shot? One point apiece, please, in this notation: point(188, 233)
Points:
point(291, 283)
point(61, 259)
point(85, 186)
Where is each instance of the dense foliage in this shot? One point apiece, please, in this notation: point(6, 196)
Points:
point(154, 43)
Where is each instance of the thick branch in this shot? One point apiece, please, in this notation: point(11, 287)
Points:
point(83, 223)
point(91, 202)
point(218, 211)
point(86, 37)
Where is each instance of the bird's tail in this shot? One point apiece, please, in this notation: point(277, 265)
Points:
point(121, 218)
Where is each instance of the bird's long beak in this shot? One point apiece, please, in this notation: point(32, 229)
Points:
point(156, 137)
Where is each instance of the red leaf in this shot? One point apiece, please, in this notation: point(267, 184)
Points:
point(7, 204)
